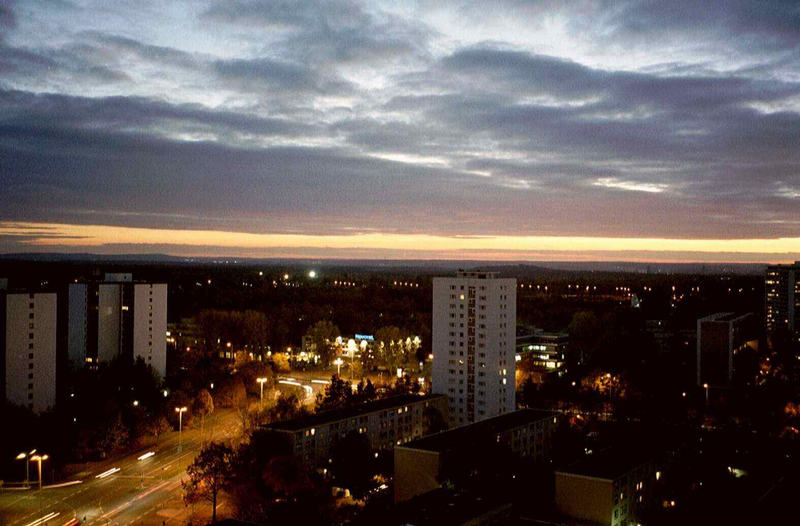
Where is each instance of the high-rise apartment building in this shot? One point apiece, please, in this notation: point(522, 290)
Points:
point(28, 332)
point(720, 337)
point(117, 317)
point(782, 298)
point(474, 333)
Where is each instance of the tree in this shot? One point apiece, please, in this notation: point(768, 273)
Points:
point(583, 333)
point(337, 394)
point(208, 475)
point(114, 437)
point(391, 353)
point(286, 407)
point(203, 406)
point(405, 385)
point(232, 393)
point(352, 465)
point(280, 363)
point(433, 421)
point(365, 392)
point(157, 426)
point(323, 335)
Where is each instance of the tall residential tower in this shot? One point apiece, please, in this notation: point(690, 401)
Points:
point(117, 317)
point(782, 298)
point(28, 333)
point(474, 332)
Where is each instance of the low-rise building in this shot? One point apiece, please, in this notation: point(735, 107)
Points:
point(421, 466)
point(387, 423)
point(543, 353)
point(610, 487)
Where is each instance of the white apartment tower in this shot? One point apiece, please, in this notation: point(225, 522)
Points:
point(474, 333)
point(29, 341)
point(117, 317)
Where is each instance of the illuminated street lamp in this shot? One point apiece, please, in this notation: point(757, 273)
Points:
point(180, 411)
point(261, 385)
point(705, 386)
point(338, 363)
point(39, 459)
point(25, 456)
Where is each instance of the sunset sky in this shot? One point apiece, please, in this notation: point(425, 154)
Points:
point(507, 130)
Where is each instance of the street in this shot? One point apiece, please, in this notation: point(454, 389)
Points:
point(141, 492)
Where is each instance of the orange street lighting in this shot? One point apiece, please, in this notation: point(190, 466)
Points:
point(25, 455)
point(261, 382)
point(180, 411)
point(338, 363)
point(38, 459)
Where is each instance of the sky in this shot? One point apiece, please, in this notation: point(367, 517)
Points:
point(503, 130)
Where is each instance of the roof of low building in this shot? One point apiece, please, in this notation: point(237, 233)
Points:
point(345, 413)
point(478, 431)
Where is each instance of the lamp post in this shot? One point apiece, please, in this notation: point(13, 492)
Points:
point(261, 386)
point(39, 459)
point(338, 363)
point(705, 386)
point(25, 455)
point(180, 411)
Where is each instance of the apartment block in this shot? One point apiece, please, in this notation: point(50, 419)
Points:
point(424, 464)
point(473, 342)
point(386, 423)
point(117, 317)
point(29, 342)
point(611, 487)
point(720, 337)
point(782, 298)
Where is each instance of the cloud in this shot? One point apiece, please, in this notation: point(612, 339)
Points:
point(325, 117)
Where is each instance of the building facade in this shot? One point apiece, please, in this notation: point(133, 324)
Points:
point(29, 327)
point(544, 353)
point(720, 337)
point(117, 317)
point(782, 298)
point(424, 464)
point(611, 488)
point(473, 340)
point(386, 423)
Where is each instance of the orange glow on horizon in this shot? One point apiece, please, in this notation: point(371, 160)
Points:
point(55, 235)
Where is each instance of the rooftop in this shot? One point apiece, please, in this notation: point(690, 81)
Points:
point(465, 435)
point(725, 317)
point(610, 463)
point(335, 415)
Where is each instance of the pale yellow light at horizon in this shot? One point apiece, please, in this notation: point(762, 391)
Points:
point(56, 234)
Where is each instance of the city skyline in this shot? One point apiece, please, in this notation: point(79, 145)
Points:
point(423, 130)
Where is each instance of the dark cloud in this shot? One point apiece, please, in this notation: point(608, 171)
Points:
point(25, 110)
point(7, 18)
point(328, 31)
point(745, 24)
point(272, 75)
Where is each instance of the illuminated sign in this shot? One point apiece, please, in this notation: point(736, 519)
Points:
point(368, 337)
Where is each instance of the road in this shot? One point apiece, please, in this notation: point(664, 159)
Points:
point(141, 492)
point(306, 384)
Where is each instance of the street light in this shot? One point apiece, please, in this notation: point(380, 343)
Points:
point(25, 455)
point(261, 385)
point(39, 459)
point(180, 411)
point(338, 363)
point(705, 386)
